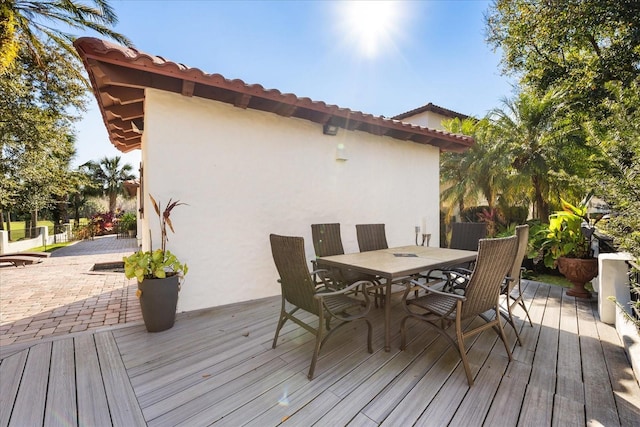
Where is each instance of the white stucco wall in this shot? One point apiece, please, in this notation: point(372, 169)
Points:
point(427, 119)
point(246, 174)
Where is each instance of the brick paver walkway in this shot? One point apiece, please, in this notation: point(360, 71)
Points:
point(62, 295)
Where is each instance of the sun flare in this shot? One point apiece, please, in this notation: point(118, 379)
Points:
point(371, 25)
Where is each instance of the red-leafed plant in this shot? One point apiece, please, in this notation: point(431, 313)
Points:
point(158, 263)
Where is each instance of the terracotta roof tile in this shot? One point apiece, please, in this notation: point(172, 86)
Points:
point(118, 74)
point(431, 107)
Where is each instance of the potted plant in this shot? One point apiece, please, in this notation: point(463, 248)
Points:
point(568, 244)
point(159, 273)
point(128, 222)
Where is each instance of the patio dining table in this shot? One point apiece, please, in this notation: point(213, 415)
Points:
point(396, 263)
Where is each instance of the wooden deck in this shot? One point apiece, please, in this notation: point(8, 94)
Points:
point(217, 367)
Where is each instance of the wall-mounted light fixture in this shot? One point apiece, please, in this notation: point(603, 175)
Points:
point(341, 152)
point(329, 129)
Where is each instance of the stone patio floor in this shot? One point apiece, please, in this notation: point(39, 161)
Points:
point(62, 294)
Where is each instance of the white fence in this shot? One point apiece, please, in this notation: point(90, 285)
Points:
point(42, 238)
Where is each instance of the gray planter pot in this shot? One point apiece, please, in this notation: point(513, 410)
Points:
point(158, 302)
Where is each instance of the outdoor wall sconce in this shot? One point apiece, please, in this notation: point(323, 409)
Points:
point(329, 129)
point(341, 153)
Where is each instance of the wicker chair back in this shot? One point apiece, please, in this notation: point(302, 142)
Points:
point(371, 237)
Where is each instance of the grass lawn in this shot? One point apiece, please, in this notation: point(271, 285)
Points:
point(51, 248)
point(20, 225)
point(557, 280)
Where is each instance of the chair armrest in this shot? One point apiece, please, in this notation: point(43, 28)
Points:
point(342, 291)
point(431, 290)
point(324, 281)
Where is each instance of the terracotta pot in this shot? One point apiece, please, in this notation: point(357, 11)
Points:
point(158, 301)
point(578, 271)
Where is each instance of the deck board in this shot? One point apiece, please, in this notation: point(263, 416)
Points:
point(62, 408)
point(28, 408)
point(217, 367)
point(11, 369)
point(121, 398)
point(600, 405)
point(93, 408)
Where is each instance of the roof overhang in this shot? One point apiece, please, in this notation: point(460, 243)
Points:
point(119, 76)
point(432, 108)
point(131, 187)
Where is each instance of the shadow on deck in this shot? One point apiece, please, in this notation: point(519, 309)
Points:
point(217, 367)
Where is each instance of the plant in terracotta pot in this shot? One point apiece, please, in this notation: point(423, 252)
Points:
point(158, 273)
point(568, 244)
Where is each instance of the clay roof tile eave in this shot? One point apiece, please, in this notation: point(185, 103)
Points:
point(95, 51)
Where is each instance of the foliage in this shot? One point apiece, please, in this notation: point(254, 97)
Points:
point(492, 218)
point(86, 231)
point(9, 46)
point(579, 45)
point(158, 263)
point(26, 25)
point(476, 174)
point(109, 176)
point(569, 234)
point(544, 146)
point(41, 89)
point(104, 222)
point(589, 49)
point(36, 137)
point(616, 173)
point(153, 265)
point(128, 221)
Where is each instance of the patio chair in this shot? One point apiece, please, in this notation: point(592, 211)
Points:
point(457, 279)
point(327, 242)
point(464, 236)
point(514, 281)
point(371, 237)
point(439, 309)
point(300, 291)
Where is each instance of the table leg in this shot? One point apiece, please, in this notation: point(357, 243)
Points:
point(387, 316)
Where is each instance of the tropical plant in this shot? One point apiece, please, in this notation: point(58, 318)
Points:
point(110, 174)
point(543, 145)
point(158, 263)
point(27, 24)
point(491, 217)
point(475, 175)
point(570, 233)
point(103, 222)
point(128, 221)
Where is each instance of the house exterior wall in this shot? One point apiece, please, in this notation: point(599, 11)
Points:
point(246, 174)
point(427, 119)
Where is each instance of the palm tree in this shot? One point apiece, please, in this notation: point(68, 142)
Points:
point(541, 140)
point(110, 175)
point(475, 174)
point(31, 24)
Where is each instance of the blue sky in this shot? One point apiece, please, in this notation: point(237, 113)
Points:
point(382, 62)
